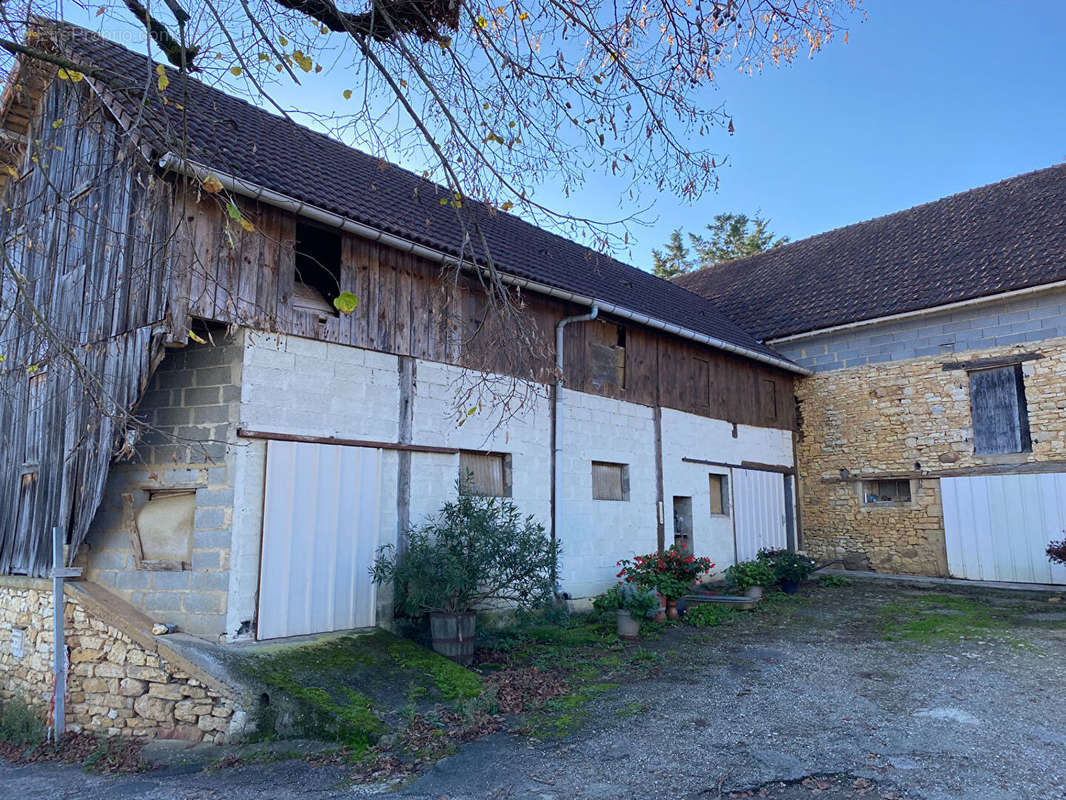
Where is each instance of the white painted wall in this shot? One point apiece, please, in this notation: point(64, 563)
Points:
point(595, 534)
point(692, 436)
point(300, 386)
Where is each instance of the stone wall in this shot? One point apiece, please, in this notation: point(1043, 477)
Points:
point(191, 408)
point(1024, 318)
point(912, 418)
point(120, 682)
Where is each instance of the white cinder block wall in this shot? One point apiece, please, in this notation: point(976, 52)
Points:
point(595, 534)
point(692, 436)
point(526, 438)
point(300, 386)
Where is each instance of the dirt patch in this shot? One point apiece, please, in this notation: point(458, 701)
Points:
point(822, 787)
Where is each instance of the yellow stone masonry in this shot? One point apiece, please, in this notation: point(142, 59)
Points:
point(115, 685)
point(910, 418)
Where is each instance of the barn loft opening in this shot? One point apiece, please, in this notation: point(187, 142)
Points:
point(607, 354)
point(318, 269)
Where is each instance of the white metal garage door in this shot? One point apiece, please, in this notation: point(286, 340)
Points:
point(320, 531)
point(758, 512)
point(997, 527)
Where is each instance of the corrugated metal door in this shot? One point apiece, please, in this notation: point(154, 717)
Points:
point(320, 531)
point(997, 527)
point(759, 518)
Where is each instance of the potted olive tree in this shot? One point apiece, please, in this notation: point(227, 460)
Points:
point(475, 550)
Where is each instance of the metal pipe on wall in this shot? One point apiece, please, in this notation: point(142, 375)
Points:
point(557, 417)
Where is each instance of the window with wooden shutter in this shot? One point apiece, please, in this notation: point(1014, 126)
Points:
point(485, 474)
point(768, 399)
point(610, 481)
point(999, 412)
point(719, 499)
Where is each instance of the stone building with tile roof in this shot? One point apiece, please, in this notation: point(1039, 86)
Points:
point(933, 437)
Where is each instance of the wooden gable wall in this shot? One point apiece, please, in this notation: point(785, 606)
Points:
point(410, 306)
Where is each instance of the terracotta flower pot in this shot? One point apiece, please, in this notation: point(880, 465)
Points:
point(660, 616)
point(671, 609)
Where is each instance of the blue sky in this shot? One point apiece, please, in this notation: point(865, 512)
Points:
point(928, 98)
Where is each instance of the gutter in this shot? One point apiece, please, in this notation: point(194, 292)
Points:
point(557, 430)
point(921, 312)
point(239, 186)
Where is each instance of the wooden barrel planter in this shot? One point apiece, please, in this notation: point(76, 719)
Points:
point(453, 635)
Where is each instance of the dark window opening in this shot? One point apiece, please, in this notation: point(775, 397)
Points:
point(318, 269)
point(889, 491)
point(999, 411)
point(683, 524)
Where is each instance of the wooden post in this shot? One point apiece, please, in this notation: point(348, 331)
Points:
point(59, 647)
point(59, 643)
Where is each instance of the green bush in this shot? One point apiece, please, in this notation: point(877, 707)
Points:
point(833, 581)
point(640, 603)
point(746, 574)
point(705, 615)
point(608, 602)
point(787, 566)
point(19, 724)
point(476, 549)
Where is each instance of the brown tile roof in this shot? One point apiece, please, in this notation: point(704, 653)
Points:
point(1008, 235)
point(232, 136)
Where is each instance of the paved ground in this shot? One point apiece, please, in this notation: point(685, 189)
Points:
point(810, 701)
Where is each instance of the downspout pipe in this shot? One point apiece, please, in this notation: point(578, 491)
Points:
point(557, 414)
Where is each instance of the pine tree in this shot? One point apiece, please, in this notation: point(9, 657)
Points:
point(674, 261)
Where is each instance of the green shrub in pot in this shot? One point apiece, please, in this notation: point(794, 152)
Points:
point(474, 550)
point(746, 574)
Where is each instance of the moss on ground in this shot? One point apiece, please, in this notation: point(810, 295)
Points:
point(349, 689)
point(944, 617)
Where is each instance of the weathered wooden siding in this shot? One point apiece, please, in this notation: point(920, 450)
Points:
point(408, 306)
point(118, 259)
point(86, 226)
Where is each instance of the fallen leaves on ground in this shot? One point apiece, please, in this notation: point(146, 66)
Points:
point(100, 754)
point(526, 688)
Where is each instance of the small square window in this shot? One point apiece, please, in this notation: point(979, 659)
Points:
point(894, 491)
point(610, 481)
point(719, 494)
point(485, 474)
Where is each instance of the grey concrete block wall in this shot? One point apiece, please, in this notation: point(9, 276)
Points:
point(1025, 318)
point(190, 412)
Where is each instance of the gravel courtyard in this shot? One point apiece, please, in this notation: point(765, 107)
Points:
point(872, 690)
